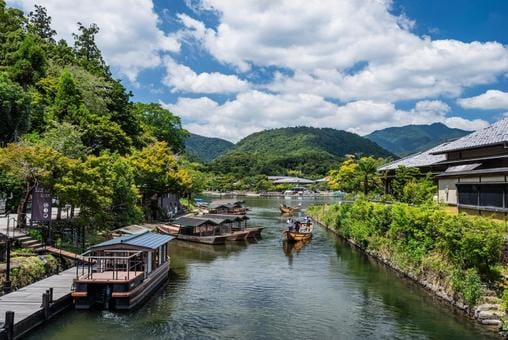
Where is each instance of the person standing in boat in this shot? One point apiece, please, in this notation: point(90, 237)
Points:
point(297, 226)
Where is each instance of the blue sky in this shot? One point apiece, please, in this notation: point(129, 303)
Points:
point(233, 67)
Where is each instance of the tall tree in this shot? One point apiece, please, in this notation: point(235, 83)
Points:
point(367, 166)
point(40, 23)
point(29, 61)
point(86, 49)
point(162, 124)
point(14, 109)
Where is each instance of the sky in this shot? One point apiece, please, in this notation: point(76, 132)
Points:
point(229, 68)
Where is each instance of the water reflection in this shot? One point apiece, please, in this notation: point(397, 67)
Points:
point(320, 290)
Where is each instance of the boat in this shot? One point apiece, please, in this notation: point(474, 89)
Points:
point(234, 224)
point(231, 207)
point(123, 272)
point(284, 209)
point(303, 234)
point(189, 228)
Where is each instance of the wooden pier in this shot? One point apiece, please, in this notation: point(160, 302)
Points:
point(32, 305)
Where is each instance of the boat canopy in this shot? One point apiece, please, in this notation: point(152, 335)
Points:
point(146, 240)
point(227, 217)
point(187, 221)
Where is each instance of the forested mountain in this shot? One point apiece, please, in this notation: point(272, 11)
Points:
point(409, 139)
point(206, 148)
point(310, 151)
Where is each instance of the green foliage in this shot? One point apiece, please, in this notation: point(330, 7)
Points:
point(357, 175)
point(33, 269)
point(40, 23)
point(310, 151)
point(403, 175)
point(206, 149)
point(423, 238)
point(410, 139)
point(66, 139)
point(161, 124)
point(14, 109)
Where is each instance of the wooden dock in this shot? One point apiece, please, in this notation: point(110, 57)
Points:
point(34, 304)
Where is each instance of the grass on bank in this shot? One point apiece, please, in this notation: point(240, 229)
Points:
point(459, 253)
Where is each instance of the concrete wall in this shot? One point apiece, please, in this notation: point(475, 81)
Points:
point(447, 191)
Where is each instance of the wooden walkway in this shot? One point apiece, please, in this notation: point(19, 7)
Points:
point(67, 254)
point(33, 305)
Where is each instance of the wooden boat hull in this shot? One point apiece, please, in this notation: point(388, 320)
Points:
point(119, 297)
point(237, 235)
point(217, 239)
point(254, 232)
point(293, 236)
point(288, 210)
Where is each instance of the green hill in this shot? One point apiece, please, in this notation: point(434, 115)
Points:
point(206, 148)
point(312, 151)
point(409, 139)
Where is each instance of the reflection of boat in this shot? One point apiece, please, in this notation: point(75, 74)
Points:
point(303, 234)
point(293, 247)
point(288, 210)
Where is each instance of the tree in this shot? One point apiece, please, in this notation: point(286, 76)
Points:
point(161, 124)
point(155, 171)
point(66, 139)
point(14, 109)
point(102, 134)
point(367, 167)
point(346, 177)
point(87, 51)
point(403, 175)
point(11, 33)
point(32, 165)
point(40, 23)
point(29, 61)
point(68, 104)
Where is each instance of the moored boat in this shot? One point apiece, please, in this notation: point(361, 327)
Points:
point(123, 272)
point(189, 228)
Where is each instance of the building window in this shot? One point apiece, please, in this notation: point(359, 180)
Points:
point(491, 196)
point(468, 194)
point(483, 195)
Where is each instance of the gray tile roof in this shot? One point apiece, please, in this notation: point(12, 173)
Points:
point(186, 221)
point(145, 240)
point(421, 159)
point(497, 133)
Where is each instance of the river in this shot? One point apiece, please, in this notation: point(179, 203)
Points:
point(261, 290)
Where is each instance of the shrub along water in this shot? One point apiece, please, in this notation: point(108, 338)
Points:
point(458, 253)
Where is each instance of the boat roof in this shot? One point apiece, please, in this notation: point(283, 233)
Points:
point(146, 240)
point(225, 217)
point(188, 221)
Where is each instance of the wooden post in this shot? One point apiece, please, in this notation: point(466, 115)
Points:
point(51, 295)
point(9, 325)
point(45, 304)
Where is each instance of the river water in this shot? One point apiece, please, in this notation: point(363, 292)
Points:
point(263, 290)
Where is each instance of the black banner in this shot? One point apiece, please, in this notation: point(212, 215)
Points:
point(41, 205)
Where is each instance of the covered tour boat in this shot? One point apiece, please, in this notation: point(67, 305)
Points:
point(193, 229)
point(304, 233)
point(227, 207)
point(236, 224)
point(123, 272)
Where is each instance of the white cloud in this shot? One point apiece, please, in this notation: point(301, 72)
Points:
point(182, 78)
point(129, 37)
point(490, 100)
point(254, 111)
point(324, 41)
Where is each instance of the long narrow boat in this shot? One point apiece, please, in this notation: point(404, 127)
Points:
point(303, 234)
point(288, 210)
point(193, 230)
point(122, 272)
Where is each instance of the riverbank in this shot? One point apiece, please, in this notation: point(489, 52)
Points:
point(457, 260)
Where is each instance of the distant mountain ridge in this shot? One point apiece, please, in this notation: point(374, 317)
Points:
point(405, 140)
point(311, 151)
point(206, 149)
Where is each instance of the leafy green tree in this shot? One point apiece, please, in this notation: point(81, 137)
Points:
point(11, 33)
point(29, 61)
point(367, 168)
point(68, 104)
point(87, 51)
point(419, 191)
point(102, 134)
point(161, 124)
point(14, 109)
point(345, 177)
point(40, 23)
point(404, 175)
point(66, 139)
